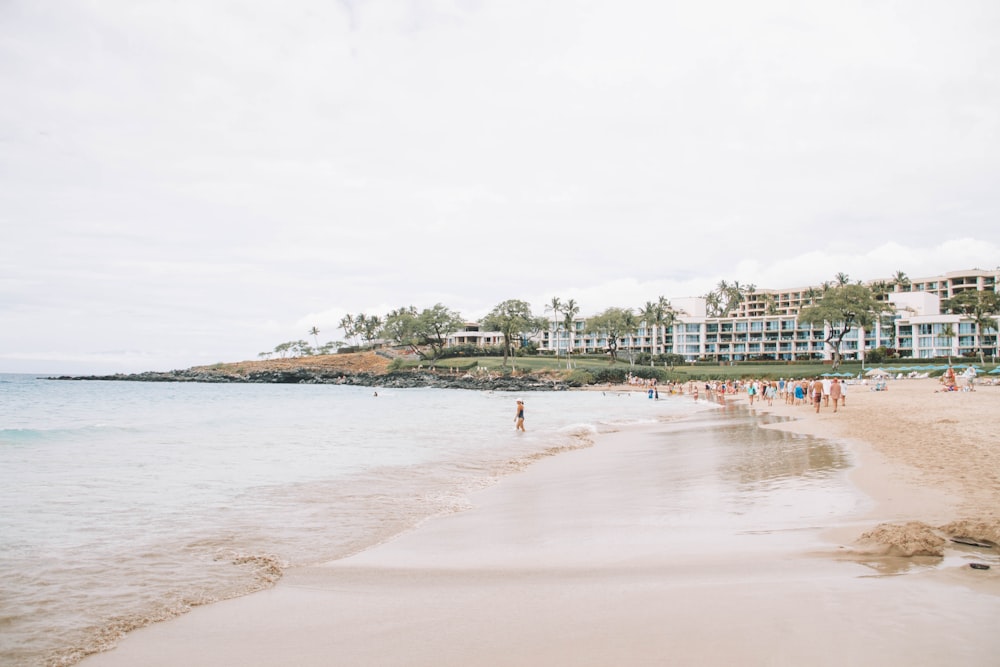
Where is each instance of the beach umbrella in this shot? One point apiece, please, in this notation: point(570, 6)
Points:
point(995, 371)
point(875, 371)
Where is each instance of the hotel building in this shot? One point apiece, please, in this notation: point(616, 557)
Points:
point(764, 326)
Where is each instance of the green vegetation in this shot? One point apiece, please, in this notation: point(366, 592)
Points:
point(982, 306)
point(595, 369)
point(842, 308)
point(513, 319)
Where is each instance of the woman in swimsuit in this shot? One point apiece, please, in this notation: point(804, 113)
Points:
point(520, 416)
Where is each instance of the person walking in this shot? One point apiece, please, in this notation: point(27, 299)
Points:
point(835, 393)
point(519, 419)
point(817, 392)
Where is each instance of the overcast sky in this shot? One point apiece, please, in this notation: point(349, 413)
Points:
point(187, 182)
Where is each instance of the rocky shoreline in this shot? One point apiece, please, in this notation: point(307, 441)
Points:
point(395, 380)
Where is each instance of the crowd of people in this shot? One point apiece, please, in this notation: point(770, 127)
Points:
point(816, 392)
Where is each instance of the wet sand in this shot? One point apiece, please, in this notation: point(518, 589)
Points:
point(577, 561)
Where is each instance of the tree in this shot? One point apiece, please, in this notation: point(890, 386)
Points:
point(314, 332)
point(713, 304)
point(842, 279)
point(570, 310)
point(400, 327)
point(668, 317)
point(614, 324)
point(948, 333)
point(301, 348)
point(982, 306)
point(841, 309)
point(348, 325)
point(511, 318)
point(555, 307)
point(661, 316)
point(902, 281)
point(651, 314)
point(433, 325)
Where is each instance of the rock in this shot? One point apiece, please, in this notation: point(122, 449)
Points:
point(396, 380)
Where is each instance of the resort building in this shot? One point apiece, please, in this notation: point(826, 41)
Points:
point(763, 326)
point(472, 335)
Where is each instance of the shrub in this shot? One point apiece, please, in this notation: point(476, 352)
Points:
point(580, 378)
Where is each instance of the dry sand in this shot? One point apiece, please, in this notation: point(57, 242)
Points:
point(559, 565)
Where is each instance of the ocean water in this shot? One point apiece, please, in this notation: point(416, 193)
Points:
point(125, 503)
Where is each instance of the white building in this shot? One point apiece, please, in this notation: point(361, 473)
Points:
point(764, 326)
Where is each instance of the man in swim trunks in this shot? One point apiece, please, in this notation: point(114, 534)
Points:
point(817, 392)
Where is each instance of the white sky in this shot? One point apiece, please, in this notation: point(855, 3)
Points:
point(192, 181)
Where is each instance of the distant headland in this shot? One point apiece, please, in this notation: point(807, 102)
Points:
point(367, 369)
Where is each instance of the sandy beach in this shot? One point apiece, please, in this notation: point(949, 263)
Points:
point(571, 562)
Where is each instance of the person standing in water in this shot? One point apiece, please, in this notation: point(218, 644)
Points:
point(519, 419)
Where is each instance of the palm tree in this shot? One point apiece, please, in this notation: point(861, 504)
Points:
point(735, 296)
point(842, 279)
point(314, 332)
point(349, 326)
point(650, 316)
point(629, 331)
point(948, 333)
point(570, 310)
point(664, 313)
point(770, 304)
point(902, 281)
point(556, 307)
point(667, 320)
point(713, 304)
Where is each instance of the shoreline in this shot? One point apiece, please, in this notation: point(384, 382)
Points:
point(468, 589)
point(924, 455)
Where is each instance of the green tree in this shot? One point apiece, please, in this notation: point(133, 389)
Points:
point(713, 304)
point(555, 307)
point(902, 281)
point(314, 332)
point(841, 309)
point(570, 310)
point(511, 318)
point(433, 325)
point(661, 316)
point(651, 314)
point(982, 306)
point(948, 333)
point(400, 327)
point(614, 324)
point(373, 327)
point(349, 326)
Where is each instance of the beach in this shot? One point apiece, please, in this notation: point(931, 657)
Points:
point(579, 560)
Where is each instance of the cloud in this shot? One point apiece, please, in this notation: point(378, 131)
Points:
point(202, 179)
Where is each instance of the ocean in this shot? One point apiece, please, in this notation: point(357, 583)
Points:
point(125, 503)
